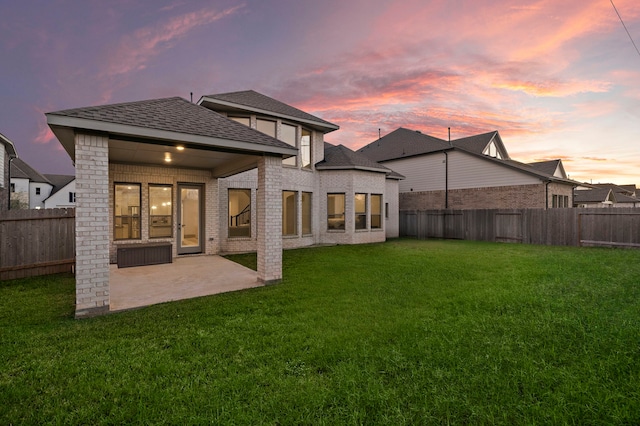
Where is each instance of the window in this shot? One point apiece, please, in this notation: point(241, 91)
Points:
point(305, 148)
point(376, 211)
point(306, 213)
point(37, 191)
point(242, 120)
point(289, 213)
point(288, 135)
point(160, 211)
point(335, 211)
point(361, 211)
point(239, 212)
point(127, 211)
point(267, 127)
point(72, 197)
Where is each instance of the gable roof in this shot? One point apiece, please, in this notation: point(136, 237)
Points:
point(402, 143)
point(550, 167)
point(478, 143)
point(623, 198)
point(59, 181)
point(170, 119)
point(250, 100)
point(617, 189)
point(596, 195)
point(339, 157)
point(21, 170)
point(9, 147)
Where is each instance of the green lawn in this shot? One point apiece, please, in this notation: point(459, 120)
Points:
point(405, 332)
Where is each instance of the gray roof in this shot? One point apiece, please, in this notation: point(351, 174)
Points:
point(548, 167)
point(173, 115)
point(59, 182)
point(339, 157)
point(402, 143)
point(20, 169)
point(623, 198)
point(476, 143)
point(617, 189)
point(596, 195)
point(257, 102)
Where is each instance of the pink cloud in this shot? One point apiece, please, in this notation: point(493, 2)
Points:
point(135, 50)
point(45, 135)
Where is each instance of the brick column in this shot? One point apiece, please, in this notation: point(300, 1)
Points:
point(92, 224)
point(269, 207)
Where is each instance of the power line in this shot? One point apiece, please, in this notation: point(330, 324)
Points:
point(625, 27)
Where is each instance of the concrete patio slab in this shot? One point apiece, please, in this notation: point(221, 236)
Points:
point(185, 278)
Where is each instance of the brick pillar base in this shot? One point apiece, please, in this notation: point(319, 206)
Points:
point(269, 208)
point(92, 225)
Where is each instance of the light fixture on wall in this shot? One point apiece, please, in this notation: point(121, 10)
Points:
point(167, 157)
point(180, 148)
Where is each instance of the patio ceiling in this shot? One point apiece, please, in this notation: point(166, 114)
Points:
point(221, 162)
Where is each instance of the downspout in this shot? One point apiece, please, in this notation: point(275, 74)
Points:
point(446, 179)
point(546, 194)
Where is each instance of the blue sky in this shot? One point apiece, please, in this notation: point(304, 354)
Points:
point(556, 79)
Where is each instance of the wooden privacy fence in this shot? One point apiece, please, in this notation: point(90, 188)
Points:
point(36, 242)
point(612, 227)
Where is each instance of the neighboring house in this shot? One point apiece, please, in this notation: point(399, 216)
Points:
point(606, 195)
point(594, 197)
point(235, 172)
point(7, 156)
point(30, 187)
point(63, 194)
point(470, 173)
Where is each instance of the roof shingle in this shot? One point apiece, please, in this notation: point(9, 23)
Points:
point(173, 115)
point(255, 100)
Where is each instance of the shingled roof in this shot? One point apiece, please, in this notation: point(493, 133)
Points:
point(548, 167)
point(476, 143)
point(339, 157)
point(402, 143)
point(21, 170)
point(257, 102)
point(596, 195)
point(59, 181)
point(174, 115)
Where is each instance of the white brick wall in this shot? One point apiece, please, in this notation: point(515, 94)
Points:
point(269, 219)
point(92, 224)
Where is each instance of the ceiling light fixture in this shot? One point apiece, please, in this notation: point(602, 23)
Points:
point(180, 148)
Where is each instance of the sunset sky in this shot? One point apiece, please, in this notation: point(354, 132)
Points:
point(557, 79)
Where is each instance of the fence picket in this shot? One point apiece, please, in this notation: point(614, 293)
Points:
point(614, 227)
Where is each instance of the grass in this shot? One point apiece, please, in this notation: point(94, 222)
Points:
point(405, 332)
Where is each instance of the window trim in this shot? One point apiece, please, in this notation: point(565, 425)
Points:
point(150, 206)
point(310, 194)
point(132, 216)
point(380, 206)
point(229, 219)
point(343, 228)
point(360, 214)
point(295, 212)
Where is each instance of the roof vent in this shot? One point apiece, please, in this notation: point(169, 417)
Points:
point(418, 131)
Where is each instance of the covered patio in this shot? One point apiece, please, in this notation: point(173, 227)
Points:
point(185, 278)
point(184, 147)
